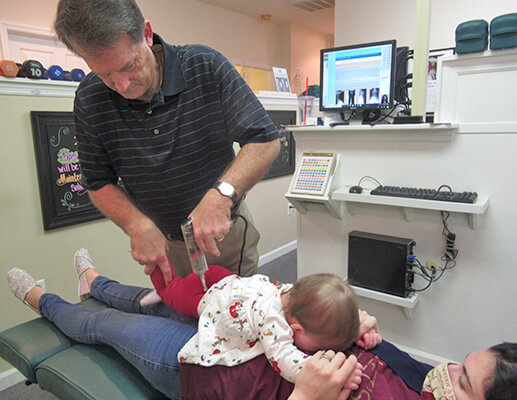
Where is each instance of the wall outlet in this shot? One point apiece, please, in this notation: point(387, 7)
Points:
point(432, 265)
point(41, 283)
point(290, 208)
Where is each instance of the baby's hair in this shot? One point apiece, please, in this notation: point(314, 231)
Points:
point(326, 306)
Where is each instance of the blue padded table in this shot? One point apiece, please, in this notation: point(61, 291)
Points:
point(70, 370)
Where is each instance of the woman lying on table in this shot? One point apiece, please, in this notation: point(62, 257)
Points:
point(151, 345)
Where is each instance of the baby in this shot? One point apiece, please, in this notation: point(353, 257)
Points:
point(241, 318)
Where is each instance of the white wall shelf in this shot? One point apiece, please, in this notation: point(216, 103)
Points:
point(406, 303)
point(399, 132)
point(407, 205)
point(37, 87)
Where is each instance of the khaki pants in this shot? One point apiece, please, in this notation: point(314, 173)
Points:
point(238, 247)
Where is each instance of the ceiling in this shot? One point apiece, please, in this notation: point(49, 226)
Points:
point(317, 15)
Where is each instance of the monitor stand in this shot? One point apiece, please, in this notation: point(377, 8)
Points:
point(344, 121)
point(371, 116)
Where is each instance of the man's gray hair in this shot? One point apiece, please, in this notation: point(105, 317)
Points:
point(97, 24)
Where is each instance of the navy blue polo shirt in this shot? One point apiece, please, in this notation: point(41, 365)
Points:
point(170, 151)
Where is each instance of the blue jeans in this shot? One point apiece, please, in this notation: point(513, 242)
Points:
point(148, 337)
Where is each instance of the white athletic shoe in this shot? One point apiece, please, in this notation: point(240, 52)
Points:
point(83, 261)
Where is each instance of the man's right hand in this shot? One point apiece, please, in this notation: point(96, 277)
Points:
point(149, 247)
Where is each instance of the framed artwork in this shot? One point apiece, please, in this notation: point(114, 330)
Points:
point(64, 201)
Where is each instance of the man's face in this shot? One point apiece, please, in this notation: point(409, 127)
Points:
point(127, 68)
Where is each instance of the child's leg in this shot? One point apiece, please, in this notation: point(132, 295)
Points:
point(184, 294)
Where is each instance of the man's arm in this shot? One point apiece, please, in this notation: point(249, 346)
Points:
point(148, 244)
point(211, 217)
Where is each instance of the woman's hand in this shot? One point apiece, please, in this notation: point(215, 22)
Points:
point(369, 335)
point(321, 378)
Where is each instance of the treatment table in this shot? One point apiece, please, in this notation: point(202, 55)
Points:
point(70, 370)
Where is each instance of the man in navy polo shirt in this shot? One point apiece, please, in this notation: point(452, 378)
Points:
point(162, 119)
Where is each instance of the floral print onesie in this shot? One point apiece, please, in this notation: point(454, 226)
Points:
point(239, 319)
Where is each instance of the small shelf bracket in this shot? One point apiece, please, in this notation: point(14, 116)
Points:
point(407, 304)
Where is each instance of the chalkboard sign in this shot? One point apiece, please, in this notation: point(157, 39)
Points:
point(64, 201)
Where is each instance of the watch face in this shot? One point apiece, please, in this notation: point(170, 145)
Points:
point(227, 189)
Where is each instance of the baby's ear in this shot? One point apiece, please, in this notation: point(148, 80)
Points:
point(295, 325)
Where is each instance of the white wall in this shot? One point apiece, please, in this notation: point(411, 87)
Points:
point(374, 20)
point(474, 305)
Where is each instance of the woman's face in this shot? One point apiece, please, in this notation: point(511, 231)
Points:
point(470, 378)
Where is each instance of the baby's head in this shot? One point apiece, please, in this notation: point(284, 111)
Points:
point(323, 313)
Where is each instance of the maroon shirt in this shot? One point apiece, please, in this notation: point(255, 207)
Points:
point(257, 380)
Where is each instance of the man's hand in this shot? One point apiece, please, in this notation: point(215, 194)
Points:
point(149, 247)
point(211, 221)
point(369, 335)
point(329, 380)
point(211, 217)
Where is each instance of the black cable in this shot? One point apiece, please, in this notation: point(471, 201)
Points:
point(369, 177)
point(449, 256)
point(405, 57)
point(243, 242)
point(387, 115)
point(371, 115)
point(450, 252)
point(342, 115)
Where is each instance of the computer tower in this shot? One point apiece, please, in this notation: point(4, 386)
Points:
point(379, 262)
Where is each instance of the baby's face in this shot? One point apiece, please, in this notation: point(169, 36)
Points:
point(311, 343)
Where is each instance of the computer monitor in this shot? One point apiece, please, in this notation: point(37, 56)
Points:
point(358, 77)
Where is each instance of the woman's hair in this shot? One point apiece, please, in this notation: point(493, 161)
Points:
point(97, 24)
point(503, 385)
point(326, 306)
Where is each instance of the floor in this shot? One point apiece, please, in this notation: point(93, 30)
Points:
point(282, 269)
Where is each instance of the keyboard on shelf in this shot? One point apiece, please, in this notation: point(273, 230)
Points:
point(425, 194)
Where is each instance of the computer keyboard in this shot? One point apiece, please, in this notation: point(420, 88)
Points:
point(425, 194)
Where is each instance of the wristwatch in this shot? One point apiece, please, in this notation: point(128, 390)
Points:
point(226, 189)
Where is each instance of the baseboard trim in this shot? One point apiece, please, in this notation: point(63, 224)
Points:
point(422, 356)
point(278, 252)
point(10, 378)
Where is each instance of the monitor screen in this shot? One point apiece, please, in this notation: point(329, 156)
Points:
point(357, 77)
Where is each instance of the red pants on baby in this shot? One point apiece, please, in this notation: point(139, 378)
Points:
point(184, 294)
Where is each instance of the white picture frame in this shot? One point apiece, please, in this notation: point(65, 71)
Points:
point(281, 80)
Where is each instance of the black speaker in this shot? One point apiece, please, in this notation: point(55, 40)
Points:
point(379, 262)
point(401, 60)
point(284, 164)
